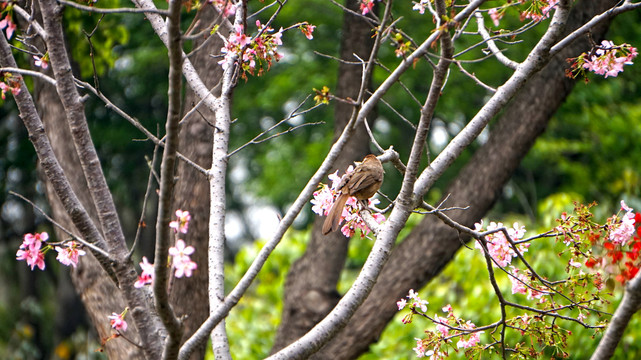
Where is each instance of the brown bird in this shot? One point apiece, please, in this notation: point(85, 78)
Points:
point(362, 183)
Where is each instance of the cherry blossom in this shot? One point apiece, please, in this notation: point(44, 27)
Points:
point(366, 6)
point(495, 15)
point(226, 7)
point(307, 30)
point(69, 254)
point(181, 261)
point(42, 62)
point(498, 246)
point(118, 321)
point(10, 26)
point(624, 230)
point(30, 250)
point(182, 224)
point(147, 275)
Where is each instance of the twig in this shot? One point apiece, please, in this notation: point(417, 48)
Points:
point(65, 230)
point(151, 165)
point(294, 113)
point(36, 74)
point(491, 44)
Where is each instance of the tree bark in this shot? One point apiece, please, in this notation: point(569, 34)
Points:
point(431, 245)
point(89, 279)
point(310, 288)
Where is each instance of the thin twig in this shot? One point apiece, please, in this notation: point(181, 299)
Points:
point(58, 225)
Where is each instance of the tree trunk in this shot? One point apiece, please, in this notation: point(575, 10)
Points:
point(431, 245)
point(310, 289)
point(99, 294)
point(192, 188)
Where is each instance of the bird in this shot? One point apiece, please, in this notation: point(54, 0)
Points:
point(362, 184)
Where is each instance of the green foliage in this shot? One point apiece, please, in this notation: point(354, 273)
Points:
point(80, 24)
point(251, 325)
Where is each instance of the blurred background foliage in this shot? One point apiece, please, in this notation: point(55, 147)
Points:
point(590, 152)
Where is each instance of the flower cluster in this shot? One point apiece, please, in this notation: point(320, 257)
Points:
point(33, 252)
point(618, 253)
point(604, 59)
point(447, 327)
point(522, 284)
point(225, 7)
point(10, 83)
point(180, 252)
point(498, 246)
point(181, 262)
point(7, 23)
point(324, 198)
point(539, 10)
point(256, 54)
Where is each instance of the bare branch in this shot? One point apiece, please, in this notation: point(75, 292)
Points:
point(492, 45)
point(94, 9)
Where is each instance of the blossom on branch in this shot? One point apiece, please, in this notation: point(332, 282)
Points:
point(605, 59)
point(181, 260)
point(147, 275)
point(118, 321)
point(182, 224)
point(69, 254)
point(498, 246)
point(30, 250)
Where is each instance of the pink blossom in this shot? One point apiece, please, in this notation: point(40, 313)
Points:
point(420, 6)
point(180, 250)
point(118, 321)
point(474, 339)
point(401, 304)
point(30, 250)
point(184, 267)
point(69, 254)
point(41, 61)
point(416, 300)
point(308, 30)
point(521, 284)
point(147, 275)
point(8, 23)
point(226, 7)
point(419, 349)
point(622, 232)
point(543, 14)
point(605, 60)
point(366, 6)
point(441, 325)
point(498, 246)
point(322, 201)
point(181, 261)
point(495, 15)
point(182, 224)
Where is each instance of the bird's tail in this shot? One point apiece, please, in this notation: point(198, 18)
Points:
point(334, 216)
